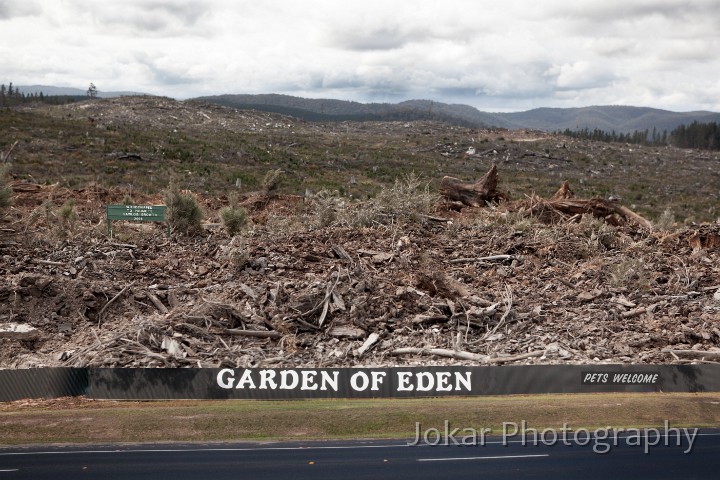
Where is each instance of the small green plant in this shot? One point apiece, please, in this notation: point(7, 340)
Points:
point(5, 191)
point(271, 181)
point(183, 213)
point(326, 207)
point(628, 272)
point(408, 199)
point(237, 253)
point(233, 217)
point(68, 216)
point(666, 221)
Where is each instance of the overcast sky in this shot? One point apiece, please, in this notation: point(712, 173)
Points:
point(499, 55)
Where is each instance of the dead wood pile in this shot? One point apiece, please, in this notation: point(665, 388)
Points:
point(490, 287)
point(562, 205)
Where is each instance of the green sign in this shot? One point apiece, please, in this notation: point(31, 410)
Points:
point(135, 213)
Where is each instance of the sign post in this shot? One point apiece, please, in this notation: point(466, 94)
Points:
point(136, 213)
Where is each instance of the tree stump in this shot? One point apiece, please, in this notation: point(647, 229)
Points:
point(473, 194)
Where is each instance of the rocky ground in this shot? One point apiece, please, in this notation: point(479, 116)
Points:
point(481, 286)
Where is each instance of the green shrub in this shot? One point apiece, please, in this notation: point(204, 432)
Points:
point(183, 213)
point(5, 190)
point(233, 219)
point(68, 215)
point(271, 181)
point(407, 199)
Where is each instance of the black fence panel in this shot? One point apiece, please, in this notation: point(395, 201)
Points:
point(396, 382)
point(42, 383)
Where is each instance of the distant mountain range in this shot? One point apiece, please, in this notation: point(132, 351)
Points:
point(620, 119)
point(68, 91)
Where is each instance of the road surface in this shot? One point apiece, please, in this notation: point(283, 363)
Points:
point(497, 459)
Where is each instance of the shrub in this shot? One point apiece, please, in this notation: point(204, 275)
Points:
point(233, 219)
point(408, 200)
point(68, 215)
point(237, 253)
point(666, 221)
point(327, 205)
point(183, 213)
point(271, 181)
point(5, 191)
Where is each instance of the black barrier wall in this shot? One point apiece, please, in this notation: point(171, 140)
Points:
point(294, 383)
point(278, 383)
point(43, 383)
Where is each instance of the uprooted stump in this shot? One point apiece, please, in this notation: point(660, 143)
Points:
point(473, 194)
point(565, 203)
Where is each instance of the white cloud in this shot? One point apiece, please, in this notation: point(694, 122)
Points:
point(495, 55)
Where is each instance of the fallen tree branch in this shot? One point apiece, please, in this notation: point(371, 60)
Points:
point(369, 342)
point(514, 358)
point(5, 156)
point(460, 355)
point(420, 318)
point(434, 219)
point(697, 354)
point(102, 310)
point(253, 333)
point(491, 258)
point(47, 262)
point(441, 352)
point(158, 304)
point(508, 307)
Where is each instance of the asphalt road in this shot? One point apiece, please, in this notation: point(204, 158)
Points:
point(496, 459)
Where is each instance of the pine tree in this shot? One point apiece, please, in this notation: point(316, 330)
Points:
point(92, 91)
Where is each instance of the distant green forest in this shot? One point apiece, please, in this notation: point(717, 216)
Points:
point(705, 136)
point(11, 97)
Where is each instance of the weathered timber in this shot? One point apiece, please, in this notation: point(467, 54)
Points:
point(476, 194)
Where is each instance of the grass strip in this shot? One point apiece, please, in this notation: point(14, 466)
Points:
point(91, 421)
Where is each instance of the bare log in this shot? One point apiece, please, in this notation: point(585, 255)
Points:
point(431, 318)
point(253, 333)
point(347, 331)
point(158, 304)
point(472, 194)
point(341, 253)
point(697, 354)
point(515, 358)
point(491, 258)
point(611, 212)
point(441, 352)
point(461, 355)
point(369, 342)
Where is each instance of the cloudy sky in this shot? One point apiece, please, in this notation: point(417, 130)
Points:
point(497, 55)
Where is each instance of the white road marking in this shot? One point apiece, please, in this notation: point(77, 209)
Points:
point(479, 458)
point(11, 470)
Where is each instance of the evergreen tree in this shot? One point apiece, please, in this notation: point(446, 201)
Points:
point(92, 91)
